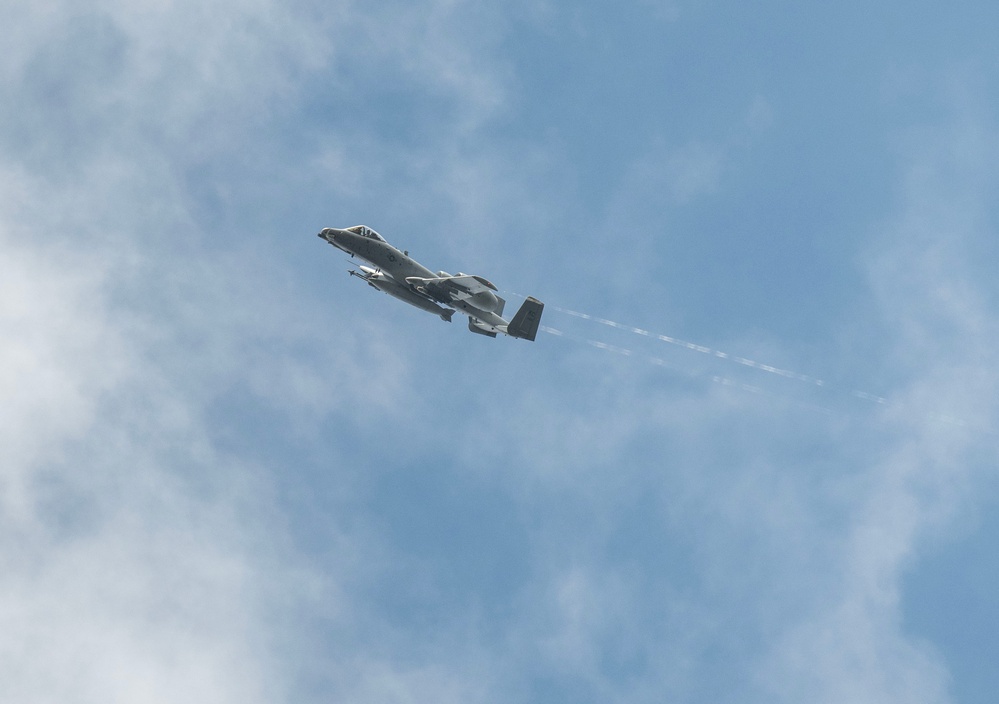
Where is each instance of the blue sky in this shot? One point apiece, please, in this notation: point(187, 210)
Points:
point(228, 472)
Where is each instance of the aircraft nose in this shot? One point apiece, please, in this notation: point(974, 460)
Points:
point(327, 234)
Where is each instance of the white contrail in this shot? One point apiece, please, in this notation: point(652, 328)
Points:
point(696, 348)
point(658, 361)
point(735, 359)
point(743, 361)
point(702, 349)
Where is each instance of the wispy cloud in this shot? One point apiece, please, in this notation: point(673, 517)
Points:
point(202, 456)
point(855, 646)
point(145, 555)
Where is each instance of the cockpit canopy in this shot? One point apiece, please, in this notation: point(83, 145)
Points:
point(365, 231)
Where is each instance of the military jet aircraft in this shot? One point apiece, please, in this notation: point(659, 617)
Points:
point(393, 272)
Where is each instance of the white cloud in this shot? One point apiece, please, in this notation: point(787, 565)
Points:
point(142, 559)
point(140, 562)
point(146, 557)
point(854, 647)
point(60, 352)
point(801, 527)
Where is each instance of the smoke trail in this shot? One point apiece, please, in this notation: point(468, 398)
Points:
point(738, 360)
point(718, 354)
point(660, 362)
point(697, 348)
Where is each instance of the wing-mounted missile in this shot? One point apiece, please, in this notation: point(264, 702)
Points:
point(366, 273)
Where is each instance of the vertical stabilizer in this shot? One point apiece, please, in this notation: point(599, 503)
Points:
point(525, 323)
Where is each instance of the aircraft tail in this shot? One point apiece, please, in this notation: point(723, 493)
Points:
point(525, 323)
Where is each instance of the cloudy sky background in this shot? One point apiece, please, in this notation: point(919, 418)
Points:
point(229, 473)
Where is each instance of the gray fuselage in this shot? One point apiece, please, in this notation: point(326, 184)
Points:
point(370, 246)
point(408, 280)
point(378, 252)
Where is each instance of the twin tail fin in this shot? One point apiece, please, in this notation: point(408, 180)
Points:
point(527, 320)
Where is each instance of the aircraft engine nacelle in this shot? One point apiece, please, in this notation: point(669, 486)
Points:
point(485, 300)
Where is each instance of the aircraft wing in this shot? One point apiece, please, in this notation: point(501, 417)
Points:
point(462, 286)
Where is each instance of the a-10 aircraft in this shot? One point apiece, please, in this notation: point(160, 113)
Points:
point(441, 293)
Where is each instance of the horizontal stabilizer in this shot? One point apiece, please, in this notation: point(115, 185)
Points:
point(479, 330)
point(525, 323)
